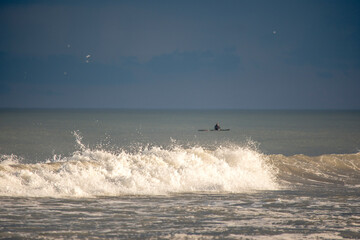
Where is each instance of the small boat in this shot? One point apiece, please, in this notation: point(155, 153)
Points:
point(213, 130)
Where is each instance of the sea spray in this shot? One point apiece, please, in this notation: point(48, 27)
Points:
point(148, 171)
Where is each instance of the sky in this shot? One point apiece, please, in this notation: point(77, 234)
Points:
point(241, 54)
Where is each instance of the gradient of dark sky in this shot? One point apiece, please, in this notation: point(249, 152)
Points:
point(180, 54)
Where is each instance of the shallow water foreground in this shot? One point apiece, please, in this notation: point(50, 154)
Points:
point(287, 214)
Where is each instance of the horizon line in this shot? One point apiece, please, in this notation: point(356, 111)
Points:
point(176, 108)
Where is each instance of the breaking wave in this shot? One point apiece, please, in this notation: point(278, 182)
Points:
point(328, 169)
point(150, 170)
point(155, 170)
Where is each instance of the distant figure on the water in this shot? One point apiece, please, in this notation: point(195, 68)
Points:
point(217, 127)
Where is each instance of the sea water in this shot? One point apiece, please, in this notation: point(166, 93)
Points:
point(138, 174)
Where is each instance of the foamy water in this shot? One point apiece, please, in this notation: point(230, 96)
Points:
point(148, 171)
point(176, 169)
point(155, 170)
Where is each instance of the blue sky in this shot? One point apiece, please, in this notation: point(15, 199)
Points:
point(180, 54)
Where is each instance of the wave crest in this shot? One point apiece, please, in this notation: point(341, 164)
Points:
point(335, 169)
point(154, 170)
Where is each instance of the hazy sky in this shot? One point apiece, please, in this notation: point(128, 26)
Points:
point(180, 54)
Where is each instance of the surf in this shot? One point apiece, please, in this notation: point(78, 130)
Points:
point(342, 170)
point(146, 171)
point(156, 170)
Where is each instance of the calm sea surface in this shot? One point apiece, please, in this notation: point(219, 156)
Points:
point(151, 174)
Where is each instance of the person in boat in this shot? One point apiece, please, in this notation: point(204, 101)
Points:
point(217, 127)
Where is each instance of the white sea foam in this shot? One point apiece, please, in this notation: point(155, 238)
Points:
point(149, 171)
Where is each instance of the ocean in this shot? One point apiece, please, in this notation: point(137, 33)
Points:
point(150, 174)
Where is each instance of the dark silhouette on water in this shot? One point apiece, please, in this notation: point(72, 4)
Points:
point(216, 128)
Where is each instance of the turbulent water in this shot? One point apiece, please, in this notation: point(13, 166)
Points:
point(149, 171)
point(136, 180)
